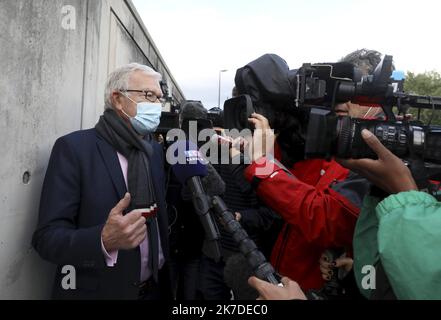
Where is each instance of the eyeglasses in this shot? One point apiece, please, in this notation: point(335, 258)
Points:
point(148, 95)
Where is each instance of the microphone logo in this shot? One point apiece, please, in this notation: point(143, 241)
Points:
point(194, 156)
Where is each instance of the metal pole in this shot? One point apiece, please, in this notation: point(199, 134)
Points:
point(218, 96)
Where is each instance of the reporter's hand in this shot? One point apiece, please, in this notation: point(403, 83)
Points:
point(269, 291)
point(263, 137)
point(326, 266)
point(388, 172)
point(123, 231)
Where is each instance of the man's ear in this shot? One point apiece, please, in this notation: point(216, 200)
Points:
point(116, 100)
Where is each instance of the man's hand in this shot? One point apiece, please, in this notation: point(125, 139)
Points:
point(388, 172)
point(269, 291)
point(123, 231)
point(263, 137)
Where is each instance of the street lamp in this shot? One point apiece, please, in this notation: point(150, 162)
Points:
point(218, 97)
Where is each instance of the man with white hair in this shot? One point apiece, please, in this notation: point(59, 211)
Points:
point(102, 207)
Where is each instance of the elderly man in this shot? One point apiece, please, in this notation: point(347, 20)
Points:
point(102, 208)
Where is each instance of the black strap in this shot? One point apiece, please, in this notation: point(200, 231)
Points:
point(152, 231)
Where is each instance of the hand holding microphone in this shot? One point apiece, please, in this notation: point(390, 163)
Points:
point(290, 290)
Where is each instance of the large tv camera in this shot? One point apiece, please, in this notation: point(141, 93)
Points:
point(317, 88)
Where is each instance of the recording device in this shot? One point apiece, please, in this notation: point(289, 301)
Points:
point(267, 83)
point(186, 111)
point(216, 115)
point(169, 121)
point(170, 111)
point(194, 119)
point(188, 172)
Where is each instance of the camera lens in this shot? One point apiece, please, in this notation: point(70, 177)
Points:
point(344, 133)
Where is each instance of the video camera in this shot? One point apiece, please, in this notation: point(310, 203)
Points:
point(317, 88)
point(170, 111)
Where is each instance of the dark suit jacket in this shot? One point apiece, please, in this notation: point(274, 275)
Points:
point(83, 182)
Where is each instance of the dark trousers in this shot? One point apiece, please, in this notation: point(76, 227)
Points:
point(184, 277)
point(211, 280)
point(150, 290)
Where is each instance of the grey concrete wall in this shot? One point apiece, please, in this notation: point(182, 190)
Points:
point(52, 82)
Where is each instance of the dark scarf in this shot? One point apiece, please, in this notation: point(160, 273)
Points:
point(137, 152)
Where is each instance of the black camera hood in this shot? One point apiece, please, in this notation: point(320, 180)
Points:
point(265, 79)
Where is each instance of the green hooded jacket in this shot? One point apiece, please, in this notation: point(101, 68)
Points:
point(404, 232)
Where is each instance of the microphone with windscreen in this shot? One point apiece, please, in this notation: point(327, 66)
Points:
point(189, 172)
point(236, 274)
point(255, 258)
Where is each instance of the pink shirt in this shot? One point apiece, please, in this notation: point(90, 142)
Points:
point(112, 257)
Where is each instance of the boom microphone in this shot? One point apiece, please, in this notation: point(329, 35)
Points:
point(236, 273)
point(256, 260)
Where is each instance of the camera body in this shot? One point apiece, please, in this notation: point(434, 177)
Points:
point(317, 88)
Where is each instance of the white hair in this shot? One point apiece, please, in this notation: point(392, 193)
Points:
point(119, 80)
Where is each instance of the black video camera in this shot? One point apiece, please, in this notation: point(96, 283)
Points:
point(317, 88)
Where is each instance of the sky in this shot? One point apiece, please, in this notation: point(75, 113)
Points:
point(199, 38)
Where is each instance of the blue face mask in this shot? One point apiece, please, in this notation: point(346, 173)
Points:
point(148, 117)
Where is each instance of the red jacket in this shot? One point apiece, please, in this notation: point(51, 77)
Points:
point(309, 197)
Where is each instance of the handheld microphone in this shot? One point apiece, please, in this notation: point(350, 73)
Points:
point(189, 174)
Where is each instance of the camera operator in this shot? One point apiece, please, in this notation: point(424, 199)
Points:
point(366, 61)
